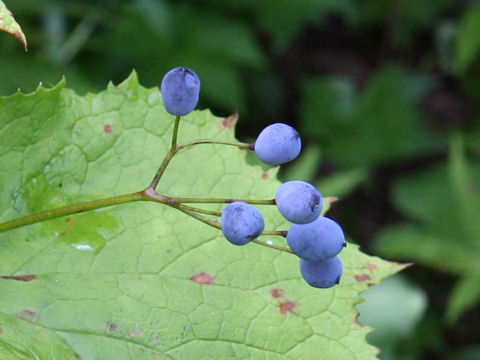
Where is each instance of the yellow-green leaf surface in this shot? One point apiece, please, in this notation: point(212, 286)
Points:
point(9, 25)
point(142, 280)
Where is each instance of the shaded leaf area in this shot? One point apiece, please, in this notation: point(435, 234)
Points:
point(21, 339)
point(142, 280)
point(445, 202)
point(396, 306)
point(9, 25)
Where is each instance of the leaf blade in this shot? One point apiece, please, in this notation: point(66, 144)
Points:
point(136, 267)
point(9, 25)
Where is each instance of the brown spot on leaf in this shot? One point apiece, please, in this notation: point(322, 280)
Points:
point(107, 129)
point(17, 34)
point(372, 266)
point(1, 330)
point(27, 314)
point(19, 277)
point(154, 339)
point(287, 306)
point(135, 333)
point(230, 121)
point(112, 326)
point(358, 323)
point(265, 176)
point(276, 293)
point(30, 313)
point(362, 277)
point(203, 278)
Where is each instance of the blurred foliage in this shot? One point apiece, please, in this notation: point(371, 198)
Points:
point(468, 39)
point(395, 306)
point(445, 201)
point(382, 122)
point(384, 93)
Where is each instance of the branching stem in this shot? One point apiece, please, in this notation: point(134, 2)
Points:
point(150, 194)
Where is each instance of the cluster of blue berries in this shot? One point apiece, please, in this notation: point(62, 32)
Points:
point(315, 239)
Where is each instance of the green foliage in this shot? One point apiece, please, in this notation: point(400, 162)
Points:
point(377, 126)
point(469, 38)
point(445, 203)
point(270, 15)
point(375, 87)
point(394, 308)
point(141, 280)
point(405, 20)
point(201, 42)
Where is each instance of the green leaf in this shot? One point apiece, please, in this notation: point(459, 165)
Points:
point(423, 195)
point(465, 294)
point(20, 339)
point(9, 25)
point(468, 43)
point(412, 243)
point(393, 308)
point(327, 104)
point(142, 280)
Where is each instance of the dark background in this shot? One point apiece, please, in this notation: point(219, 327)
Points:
point(384, 93)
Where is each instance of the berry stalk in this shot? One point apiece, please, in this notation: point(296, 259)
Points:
point(168, 157)
point(272, 246)
point(239, 144)
point(202, 211)
point(197, 216)
point(221, 201)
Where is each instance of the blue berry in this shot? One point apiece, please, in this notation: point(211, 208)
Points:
point(241, 223)
point(180, 89)
point(322, 274)
point(319, 240)
point(277, 144)
point(298, 201)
